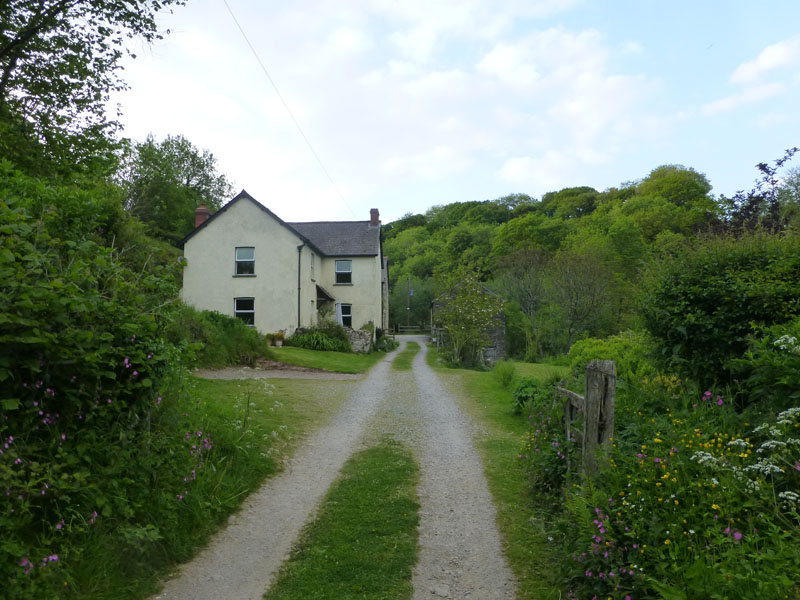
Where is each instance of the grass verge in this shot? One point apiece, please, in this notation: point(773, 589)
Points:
point(363, 543)
point(531, 556)
point(340, 362)
point(402, 362)
point(540, 370)
point(252, 426)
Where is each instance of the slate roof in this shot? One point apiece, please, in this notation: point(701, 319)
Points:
point(329, 238)
point(341, 238)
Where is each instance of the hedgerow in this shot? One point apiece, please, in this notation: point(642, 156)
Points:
point(107, 465)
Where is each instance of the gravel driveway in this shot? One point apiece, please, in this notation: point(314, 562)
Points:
point(460, 548)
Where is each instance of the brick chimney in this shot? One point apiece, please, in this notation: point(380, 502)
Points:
point(374, 217)
point(201, 214)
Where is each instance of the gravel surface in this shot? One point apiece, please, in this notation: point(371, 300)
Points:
point(241, 560)
point(276, 371)
point(461, 554)
point(460, 549)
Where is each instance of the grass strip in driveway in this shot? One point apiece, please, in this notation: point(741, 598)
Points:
point(522, 520)
point(402, 362)
point(363, 543)
point(339, 362)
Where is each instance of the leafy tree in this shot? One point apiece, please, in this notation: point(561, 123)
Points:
point(521, 279)
point(467, 311)
point(766, 204)
point(59, 59)
point(407, 221)
point(570, 202)
point(580, 285)
point(680, 185)
point(165, 181)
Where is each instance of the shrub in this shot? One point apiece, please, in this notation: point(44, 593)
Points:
point(504, 372)
point(80, 365)
point(700, 304)
point(386, 344)
point(770, 369)
point(630, 350)
point(327, 336)
point(532, 391)
point(216, 339)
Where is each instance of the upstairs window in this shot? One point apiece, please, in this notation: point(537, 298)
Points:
point(245, 260)
point(245, 309)
point(344, 271)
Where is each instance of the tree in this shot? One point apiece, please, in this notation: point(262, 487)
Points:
point(521, 278)
point(580, 285)
point(165, 181)
point(59, 59)
point(763, 206)
point(680, 185)
point(466, 312)
point(570, 202)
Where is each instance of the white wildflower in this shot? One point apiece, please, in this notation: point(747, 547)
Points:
point(704, 458)
point(771, 445)
point(764, 466)
point(790, 499)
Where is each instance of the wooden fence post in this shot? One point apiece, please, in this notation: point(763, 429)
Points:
point(598, 425)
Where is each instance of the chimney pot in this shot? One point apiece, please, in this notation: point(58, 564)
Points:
point(201, 214)
point(374, 217)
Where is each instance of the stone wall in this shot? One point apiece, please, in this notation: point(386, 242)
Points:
point(360, 339)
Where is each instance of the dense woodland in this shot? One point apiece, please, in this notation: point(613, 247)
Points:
point(696, 296)
point(580, 263)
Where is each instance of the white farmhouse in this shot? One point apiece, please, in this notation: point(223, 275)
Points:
point(244, 261)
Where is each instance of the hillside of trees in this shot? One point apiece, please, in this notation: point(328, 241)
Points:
point(578, 262)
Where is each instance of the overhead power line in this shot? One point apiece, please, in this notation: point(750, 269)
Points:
point(288, 110)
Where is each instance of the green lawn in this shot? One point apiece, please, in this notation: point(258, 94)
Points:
point(340, 362)
point(533, 559)
point(539, 370)
point(363, 543)
point(403, 361)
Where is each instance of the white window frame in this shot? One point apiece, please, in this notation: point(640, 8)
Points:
point(348, 272)
point(239, 312)
point(243, 261)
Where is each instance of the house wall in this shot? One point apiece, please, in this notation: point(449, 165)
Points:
point(209, 282)
point(364, 293)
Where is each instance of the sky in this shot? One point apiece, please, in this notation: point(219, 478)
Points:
point(409, 104)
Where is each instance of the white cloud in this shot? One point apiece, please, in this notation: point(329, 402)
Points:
point(552, 170)
point(348, 41)
point(746, 96)
point(782, 54)
point(436, 162)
